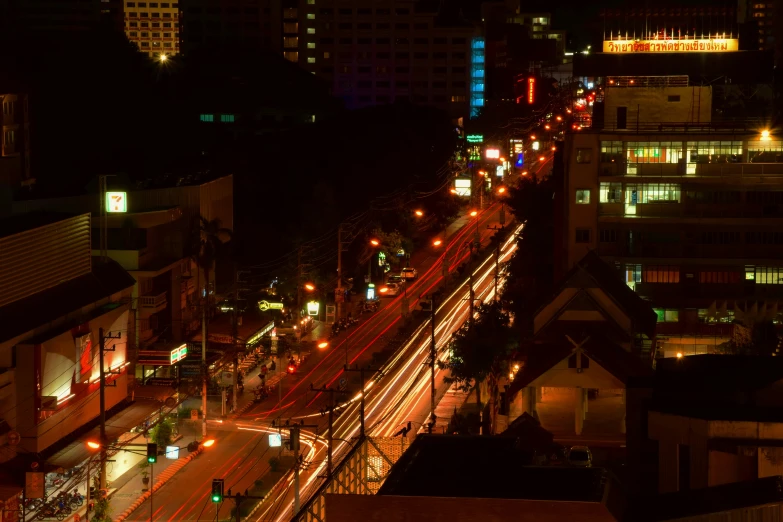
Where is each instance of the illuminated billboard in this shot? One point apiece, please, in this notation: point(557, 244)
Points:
point(492, 153)
point(671, 45)
point(116, 202)
point(462, 187)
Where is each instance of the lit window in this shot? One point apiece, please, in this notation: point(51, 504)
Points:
point(311, 30)
point(311, 45)
point(584, 155)
point(291, 56)
point(611, 193)
point(310, 2)
point(207, 117)
point(582, 196)
point(311, 16)
point(667, 315)
point(310, 59)
point(661, 274)
point(227, 118)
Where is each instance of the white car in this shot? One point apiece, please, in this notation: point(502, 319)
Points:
point(409, 273)
point(580, 457)
point(389, 290)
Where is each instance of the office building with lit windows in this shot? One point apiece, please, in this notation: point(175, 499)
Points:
point(153, 26)
point(376, 53)
point(689, 213)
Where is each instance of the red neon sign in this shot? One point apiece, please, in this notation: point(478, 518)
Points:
point(531, 83)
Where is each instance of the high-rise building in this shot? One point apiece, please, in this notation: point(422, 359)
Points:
point(765, 19)
point(378, 53)
point(153, 26)
point(213, 24)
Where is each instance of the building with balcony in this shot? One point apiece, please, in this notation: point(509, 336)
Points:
point(376, 54)
point(153, 26)
point(56, 299)
point(689, 213)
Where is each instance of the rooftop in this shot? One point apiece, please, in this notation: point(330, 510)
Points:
point(16, 224)
point(49, 305)
point(716, 499)
point(434, 466)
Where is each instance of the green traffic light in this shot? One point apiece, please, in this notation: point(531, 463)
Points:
point(152, 460)
point(215, 498)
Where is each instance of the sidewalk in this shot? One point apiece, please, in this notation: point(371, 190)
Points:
point(128, 487)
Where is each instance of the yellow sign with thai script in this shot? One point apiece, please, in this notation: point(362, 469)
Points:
point(711, 45)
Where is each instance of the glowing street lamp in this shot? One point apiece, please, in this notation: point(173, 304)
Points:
point(163, 57)
point(375, 242)
point(437, 242)
point(765, 136)
point(502, 190)
point(93, 445)
point(473, 213)
point(309, 287)
point(419, 213)
point(542, 158)
point(532, 136)
point(559, 118)
point(323, 344)
point(547, 126)
point(208, 443)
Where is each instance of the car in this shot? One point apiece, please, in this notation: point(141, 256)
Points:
point(580, 457)
point(409, 273)
point(395, 278)
point(389, 290)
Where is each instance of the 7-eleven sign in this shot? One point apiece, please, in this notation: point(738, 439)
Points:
point(116, 202)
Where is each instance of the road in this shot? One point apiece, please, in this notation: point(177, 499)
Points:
point(241, 456)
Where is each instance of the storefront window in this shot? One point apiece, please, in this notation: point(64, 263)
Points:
point(769, 275)
point(667, 315)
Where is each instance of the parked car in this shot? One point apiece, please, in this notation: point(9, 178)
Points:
point(580, 456)
point(409, 273)
point(389, 290)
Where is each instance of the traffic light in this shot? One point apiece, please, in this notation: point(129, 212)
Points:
point(152, 453)
point(217, 490)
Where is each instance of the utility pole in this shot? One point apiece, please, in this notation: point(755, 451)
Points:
point(235, 338)
point(361, 402)
point(330, 436)
point(472, 295)
point(433, 358)
point(293, 438)
point(102, 396)
point(497, 260)
point(204, 369)
point(339, 294)
point(298, 311)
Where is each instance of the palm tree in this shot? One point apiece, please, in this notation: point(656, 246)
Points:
point(206, 252)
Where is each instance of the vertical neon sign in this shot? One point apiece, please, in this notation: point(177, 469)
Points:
point(531, 87)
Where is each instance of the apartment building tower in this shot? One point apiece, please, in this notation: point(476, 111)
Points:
point(153, 26)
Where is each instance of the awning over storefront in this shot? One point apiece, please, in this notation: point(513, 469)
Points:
point(76, 452)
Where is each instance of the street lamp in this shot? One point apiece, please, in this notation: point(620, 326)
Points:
point(309, 287)
point(419, 213)
point(473, 213)
point(375, 244)
point(323, 344)
point(502, 190)
point(163, 57)
point(437, 243)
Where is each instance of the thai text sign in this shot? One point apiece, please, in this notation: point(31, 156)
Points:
point(713, 45)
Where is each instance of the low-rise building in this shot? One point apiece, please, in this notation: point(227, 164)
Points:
point(56, 302)
point(688, 211)
point(717, 419)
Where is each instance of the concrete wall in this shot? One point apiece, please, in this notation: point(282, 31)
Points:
point(653, 105)
point(435, 509)
point(581, 176)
